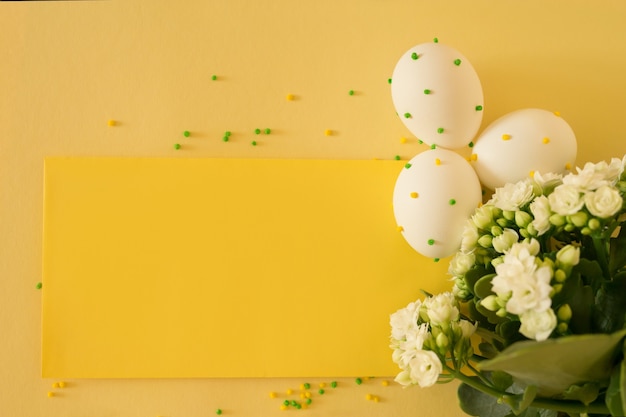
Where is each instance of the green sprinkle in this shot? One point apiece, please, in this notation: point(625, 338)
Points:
point(351, 92)
point(358, 381)
point(309, 401)
point(435, 259)
point(397, 157)
point(427, 91)
point(436, 40)
point(433, 146)
point(298, 406)
point(452, 201)
point(440, 130)
point(321, 391)
point(253, 143)
point(218, 411)
point(286, 402)
point(471, 144)
point(478, 108)
point(333, 384)
point(268, 131)
point(225, 138)
point(227, 133)
point(457, 62)
point(214, 77)
point(414, 56)
point(420, 141)
point(407, 115)
point(307, 385)
point(177, 146)
point(407, 165)
point(39, 285)
point(257, 131)
point(186, 133)
point(294, 402)
point(431, 242)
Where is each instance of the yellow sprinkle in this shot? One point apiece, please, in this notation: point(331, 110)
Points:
point(303, 395)
point(437, 161)
point(283, 407)
point(289, 391)
point(111, 122)
point(414, 194)
point(366, 378)
point(568, 166)
point(557, 113)
point(307, 394)
point(506, 137)
point(304, 405)
point(50, 394)
point(384, 383)
point(546, 140)
point(273, 394)
point(322, 384)
point(61, 384)
point(400, 229)
point(531, 174)
point(290, 97)
point(328, 132)
point(369, 397)
point(403, 140)
point(55, 385)
point(376, 399)
point(474, 156)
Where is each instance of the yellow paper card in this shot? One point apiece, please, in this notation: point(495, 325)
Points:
point(223, 268)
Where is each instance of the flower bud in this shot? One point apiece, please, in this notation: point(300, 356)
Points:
point(562, 328)
point(568, 256)
point(502, 222)
point(557, 220)
point(560, 275)
point(564, 313)
point(578, 219)
point(509, 215)
point(442, 341)
point(491, 303)
point(485, 241)
point(557, 288)
point(501, 313)
point(594, 224)
point(585, 231)
point(496, 231)
point(569, 227)
point(522, 219)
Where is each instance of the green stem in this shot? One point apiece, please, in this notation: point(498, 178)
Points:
point(600, 249)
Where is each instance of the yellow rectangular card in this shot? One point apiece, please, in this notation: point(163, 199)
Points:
point(158, 268)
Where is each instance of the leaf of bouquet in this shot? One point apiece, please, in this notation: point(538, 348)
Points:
point(610, 306)
point(617, 256)
point(556, 364)
point(615, 398)
point(477, 403)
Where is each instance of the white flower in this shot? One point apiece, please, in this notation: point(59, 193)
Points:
point(566, 199)
point(527, 247)
point(483, 217)
point(404, 320)
point(593, 176)
point(467, 328)
point(425, 368)
point(603, 202)
point(441, 309)
point(568, 255)
point(547, 182)
point(540, 208)
point(503, 242)
point(469, 238)
point(531, 292)
point(513, 196)
point(538, 325)
point(461, 263)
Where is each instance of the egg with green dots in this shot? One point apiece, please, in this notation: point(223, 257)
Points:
point(521, 142)
point(440, 91)
point(432, 200)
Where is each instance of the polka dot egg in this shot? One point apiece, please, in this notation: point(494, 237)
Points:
point(435, 194)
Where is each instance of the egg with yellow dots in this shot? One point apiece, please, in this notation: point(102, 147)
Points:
point(523, 142)
point(434, 195)
point(437, 95)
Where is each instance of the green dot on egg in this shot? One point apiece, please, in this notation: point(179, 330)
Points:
point(407, 115)
point(457, 62)
point(478, 108)
point(440, 130)
point(471, 144)
point(452, 201)
point(427, 91)
point(431, 242)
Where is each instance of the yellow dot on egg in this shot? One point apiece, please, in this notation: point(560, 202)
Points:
point(506, 137)
point(437, 161)
point(414, 194)
point(568, 166)
point(546, 140)
point(474, 156)
point(384, 383)
point(531, 174)
point(557, 113)
point(273, 394)
point(111, 123)
point(400, 229)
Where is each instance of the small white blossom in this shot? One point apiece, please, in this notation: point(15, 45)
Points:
point(404, 320)
point(540, 208)
point(461, 263)
point(504, 242)
point(512, 197)
point(603, 202)
point(441, 309)
point(547, 182)
point(566, 199)
point(568, 255)
point(425, 368)
point(538, 325)
point(469, 238)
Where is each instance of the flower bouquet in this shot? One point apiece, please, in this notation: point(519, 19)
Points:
point(534, 324)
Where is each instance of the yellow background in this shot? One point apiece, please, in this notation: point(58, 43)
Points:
point(66, 68)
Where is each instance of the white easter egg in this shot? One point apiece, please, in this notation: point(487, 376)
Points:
point(520, 143)
point(438, 96)
point(435, 194)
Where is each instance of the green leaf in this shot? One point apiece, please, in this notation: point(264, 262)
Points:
point(473, 275)
point(477, 403)
point(615, 398)
point(521, 402)
point(555, 364)
point(610, 305)
point(591, 273)
point(482, 288)
point(501, 380)
point(617, 258)
point(586, 393)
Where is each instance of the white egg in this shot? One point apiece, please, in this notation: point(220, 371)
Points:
point(438, 95)
point(435, 194)
point(520, 143)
